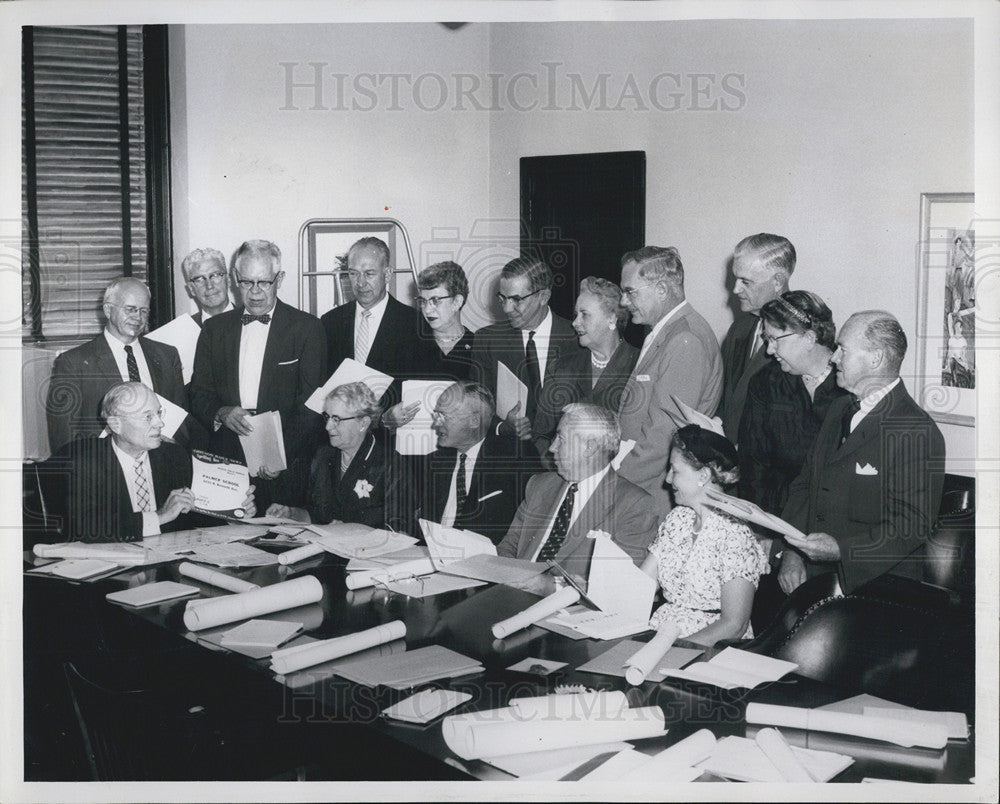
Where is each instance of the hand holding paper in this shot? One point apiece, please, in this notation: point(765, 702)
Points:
point(219, 486)
point(747, 511)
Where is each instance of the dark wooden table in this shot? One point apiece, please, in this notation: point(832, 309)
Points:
point(461, 621)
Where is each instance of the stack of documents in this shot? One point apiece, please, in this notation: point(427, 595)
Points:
point(871, 706)
point(409, 669)
point(264, 447)
point(125, 554)
point(184, 541)
point(760, 760)
point(734, 668)
point(471, 555)
point(151, 593)
point(260, 634)
point(233, 554)
point(353, 540)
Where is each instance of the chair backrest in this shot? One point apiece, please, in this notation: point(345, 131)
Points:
point(950, 554)
point(795, 606)
point(44, 491)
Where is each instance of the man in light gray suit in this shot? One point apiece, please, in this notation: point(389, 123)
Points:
point(680, 357)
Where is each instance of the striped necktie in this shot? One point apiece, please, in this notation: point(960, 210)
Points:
point(362, 342)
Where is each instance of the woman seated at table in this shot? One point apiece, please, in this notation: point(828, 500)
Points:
point(707, 564)
point(347, 477)
point(442, 290)
point(595, 374)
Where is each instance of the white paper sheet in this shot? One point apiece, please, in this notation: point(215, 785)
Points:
point(569, 706)
point(734, 668)
point(536, 763)
point(182, 333)
point(383, 575)
point(595, 624)
point(616, 585)
point(496, 569)
point(453, 544)
point(430, 585)
point(233, 554)
point(183, 541)
point(673, 763)
point(624, 449)
point(173, 416)
point(354, 540)
point(742, 760)
point(264, 447)
point(349, 371)
point(416, 436)
point(955, 722)
point(219, 486)
point(510, 391)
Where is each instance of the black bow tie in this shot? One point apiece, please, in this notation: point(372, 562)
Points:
point(246, 318)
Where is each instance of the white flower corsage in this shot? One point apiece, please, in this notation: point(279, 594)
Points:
point(363, 488)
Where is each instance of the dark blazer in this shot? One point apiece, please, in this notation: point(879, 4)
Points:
point(877, 495)
point(572, 381)
point(458, 364)
point(294, 366)
point(617, 507)
point(398, 349)
point(359, 495)
point(502, 343)
point(737, 372)
point(98, 507)
point(503, 465)
point(82, 376)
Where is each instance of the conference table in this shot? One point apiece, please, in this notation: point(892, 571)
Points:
point(461, 621)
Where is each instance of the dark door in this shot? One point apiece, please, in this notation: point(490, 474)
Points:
point(580, 213)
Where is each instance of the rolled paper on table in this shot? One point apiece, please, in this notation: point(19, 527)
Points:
point(606, 703)
point(559, 599)
point(215, 578)
point(684, 754)
point(478, 735)
point(230, 608)
point(777, 750)
point(872, 728)
point(300, 553)
point(288, 660)
point(405, 569)
point(645, 660)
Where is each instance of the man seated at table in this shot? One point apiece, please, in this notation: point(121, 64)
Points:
point(584, 494)
point(133, 483)
point(475, 478)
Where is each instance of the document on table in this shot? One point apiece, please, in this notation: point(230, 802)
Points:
point(264, 448)
point(430, 585)
point(616, 585)
point(233, 554)
point(184, 541)
point(734, 668)
point(742, 760)
point(219, 485)
point(127, 554)
point(413, 553)
point(181, 333)
point(495, 569)
point(612, 662)
point(349, 370)
point(453, 544)
point(410, 669)
point(596, 624)
point(510, 392)
point(416, 436)
point(354, 540)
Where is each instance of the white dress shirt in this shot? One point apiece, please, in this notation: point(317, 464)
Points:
point(870, 402)
point(657, 328)
point(150, 519)
point(543, 335)
point(118, 352)
point(584, 491)
point(253, 340)
point(450, 512)
point(377, 310)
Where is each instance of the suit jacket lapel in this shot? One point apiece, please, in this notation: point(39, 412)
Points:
point(230, 342)
point(276, 336)
point(104, 359)
point(152, 356)
point(382, 336)
point(595, 512)
point(868, 428)
point(356, 469)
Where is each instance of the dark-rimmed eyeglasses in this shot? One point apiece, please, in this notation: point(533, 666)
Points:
point(516, 300)
point(433, 301)
point(250, 284)
point(766, 339)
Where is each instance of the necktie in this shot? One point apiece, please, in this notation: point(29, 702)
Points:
point(246, 318)
point(133, 367)
point(845, 423)
point(559, 528)
point(756, 342)
point(362, 343)
point(141, 486)
point(534, 375)
point(460, 488)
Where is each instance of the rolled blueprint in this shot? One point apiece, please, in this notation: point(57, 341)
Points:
point(647, 658)
point(405, 569)
point(684, 754)
point(777, 750)
point(243, 606)
point(545, 607)
point(497, 733)
point(288, 660)
point(215, 578)
point(300, 553)
point(607, 703)
point(872, 728)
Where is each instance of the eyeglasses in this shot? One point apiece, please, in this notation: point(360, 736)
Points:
point(263, 284)
point(628, 293)
point(210, 279)
point(356, 276)
point(131, 309)
point(516, 300)
point(337, 420)
point(434, 301)
point(146, 417)
point(766, 339)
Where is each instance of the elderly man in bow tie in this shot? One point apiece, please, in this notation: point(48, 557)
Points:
point(263, 356)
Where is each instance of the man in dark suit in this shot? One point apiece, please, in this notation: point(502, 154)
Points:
point(206, 280)
point(266, 356)
point(132, 484)
point(375, 329)
point(870, 488)
point(475, 479)
point(762, 265)
point(82, 376)
point(585, 494)
point(529, 342)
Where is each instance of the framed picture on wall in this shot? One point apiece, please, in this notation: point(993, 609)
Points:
point(946, 378)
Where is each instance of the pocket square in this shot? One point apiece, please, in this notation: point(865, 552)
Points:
point(642, 378)
point(288, 362)
point(867, 469)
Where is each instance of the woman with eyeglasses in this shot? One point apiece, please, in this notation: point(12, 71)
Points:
point(348, 477)
point(787, 401)
point(598, 372)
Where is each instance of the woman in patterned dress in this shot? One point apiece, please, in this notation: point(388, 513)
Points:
point(707, 564)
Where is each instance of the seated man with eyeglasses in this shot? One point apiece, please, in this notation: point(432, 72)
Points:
point(82, 376)
point(263, 356)
point(529, 342)
point(132, 484)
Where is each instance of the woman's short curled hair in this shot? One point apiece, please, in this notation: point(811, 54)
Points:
point(609, 295)
point(800, 311)
point(358, 397)
point(704, 449)
point(448, 275)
